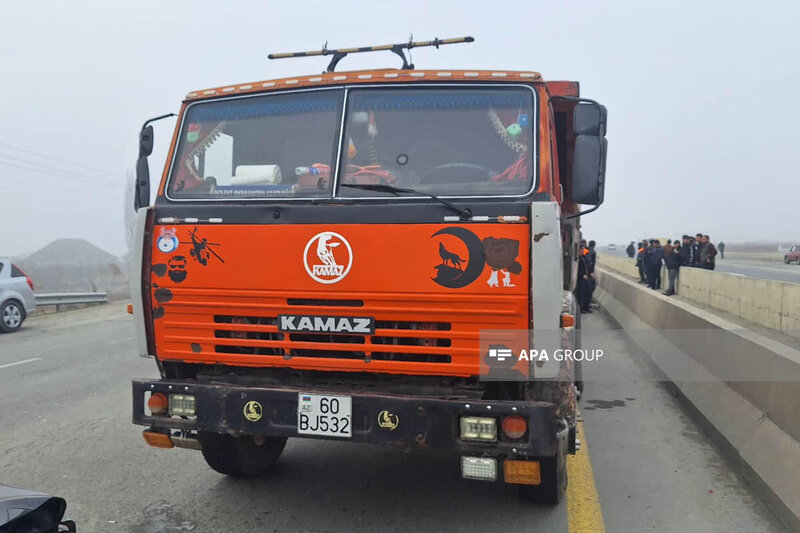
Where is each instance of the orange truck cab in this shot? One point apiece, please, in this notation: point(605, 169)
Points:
point(368, 256)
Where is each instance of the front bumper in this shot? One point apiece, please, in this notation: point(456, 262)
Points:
point(421, 421)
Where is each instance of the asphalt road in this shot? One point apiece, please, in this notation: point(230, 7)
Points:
point(65, 429)
point(761, 269)
point(752, 268)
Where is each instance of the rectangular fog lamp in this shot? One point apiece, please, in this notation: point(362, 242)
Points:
point(181, 404)
point(481, 468)
point(478, 428)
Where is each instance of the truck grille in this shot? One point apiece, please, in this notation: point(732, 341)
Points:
point(414, 333)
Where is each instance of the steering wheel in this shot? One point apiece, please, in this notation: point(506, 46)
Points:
point(453, 173)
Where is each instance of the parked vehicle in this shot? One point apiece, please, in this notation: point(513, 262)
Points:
point(792, 255)
point(612, 247)
point(16, 297)
point(326, 253)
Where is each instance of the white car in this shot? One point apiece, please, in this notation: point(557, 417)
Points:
point(16, 297)
point(612, 247)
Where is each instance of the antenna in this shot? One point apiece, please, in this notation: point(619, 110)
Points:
point(397, 49)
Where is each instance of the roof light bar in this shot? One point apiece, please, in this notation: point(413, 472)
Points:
point(397, 49)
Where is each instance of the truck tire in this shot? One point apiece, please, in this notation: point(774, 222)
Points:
point(241, 456)
point(12, 315)
point(554, 481)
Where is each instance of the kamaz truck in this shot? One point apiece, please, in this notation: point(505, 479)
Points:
point(371, 257)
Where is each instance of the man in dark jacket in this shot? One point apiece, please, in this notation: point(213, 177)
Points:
point(707, 253)
point(593, 259)
point(631, 250)
point(721, 248)
point(640, 261)
point(673, 261)
point(686, 251)
point(585, 279)
point(653, 261)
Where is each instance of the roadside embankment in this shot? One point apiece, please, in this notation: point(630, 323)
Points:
point(743, 386)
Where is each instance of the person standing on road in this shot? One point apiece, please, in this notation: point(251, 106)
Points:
point(721, 248)
point(668, 248)
point(673, 260)
point(585, 278)
point(631, 250)
point(593, 252)
point(686, 251)
point(707, 254)
point(640, 261)
point(698, 242)
point(592, 255)
point(692, 251)
point(654, 259)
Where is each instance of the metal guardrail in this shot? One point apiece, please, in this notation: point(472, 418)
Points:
point(67, 298)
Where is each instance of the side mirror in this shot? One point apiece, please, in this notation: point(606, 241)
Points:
point(589, 160)
point(146, 141)
point(141, 196)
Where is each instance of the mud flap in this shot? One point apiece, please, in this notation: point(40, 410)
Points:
point(553, 476)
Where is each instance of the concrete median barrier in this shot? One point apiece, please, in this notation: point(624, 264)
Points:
point(772, 304)
point(709, 359)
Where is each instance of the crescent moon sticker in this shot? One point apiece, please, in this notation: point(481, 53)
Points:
point(449, 273)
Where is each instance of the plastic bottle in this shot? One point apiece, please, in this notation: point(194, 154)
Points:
point(322, 171)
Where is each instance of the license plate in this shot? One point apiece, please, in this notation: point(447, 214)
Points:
point(323, 414)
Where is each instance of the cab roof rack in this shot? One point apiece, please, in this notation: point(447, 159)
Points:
point(398, 49)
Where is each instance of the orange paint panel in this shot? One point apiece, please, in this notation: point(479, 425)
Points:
point(219, 291)
point(374, 258)
point(367, 77)
point(564, 88)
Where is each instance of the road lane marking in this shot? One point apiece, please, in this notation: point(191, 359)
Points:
point(756, 269)
point(120, 340)
point(789, 270)
point(24, 361)
point(584, 514)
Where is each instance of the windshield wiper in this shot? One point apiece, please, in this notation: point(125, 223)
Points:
point(382, 187)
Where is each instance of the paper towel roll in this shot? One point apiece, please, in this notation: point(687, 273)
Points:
point(257, 175)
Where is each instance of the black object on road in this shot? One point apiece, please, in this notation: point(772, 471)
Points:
point(24, 510)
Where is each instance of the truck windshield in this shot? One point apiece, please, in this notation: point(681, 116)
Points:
point(281, 145)
point(446, 141)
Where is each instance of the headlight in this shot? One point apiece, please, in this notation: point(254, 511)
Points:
point(478, 428)
point(181, 404)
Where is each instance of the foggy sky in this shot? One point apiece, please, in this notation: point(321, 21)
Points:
point(702, 122)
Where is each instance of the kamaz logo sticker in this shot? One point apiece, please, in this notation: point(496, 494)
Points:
point(326, 324)
point(328, 257)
